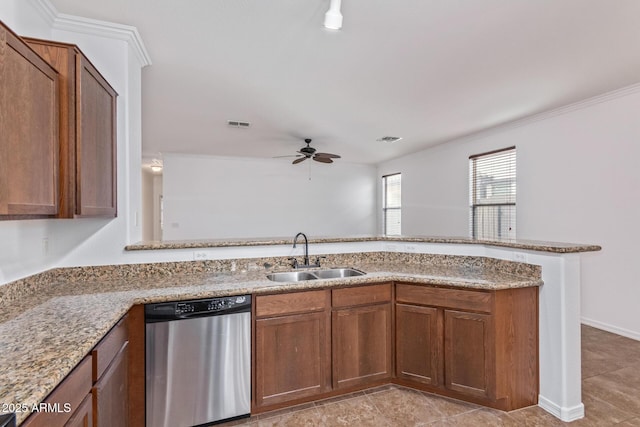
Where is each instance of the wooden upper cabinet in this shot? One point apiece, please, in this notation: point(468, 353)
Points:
point(87, 132)
point(29, 136)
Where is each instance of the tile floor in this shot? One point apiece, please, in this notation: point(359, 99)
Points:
point(610, 390)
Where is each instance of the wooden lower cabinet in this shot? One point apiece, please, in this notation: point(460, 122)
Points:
point(361, 336)
point(291, 360)
point(475, 345)
point(318, 343)
point(469, 353)
point(110, 398)
point(68, 399)
point(291, 351)
point(419, 344)
point(83, 417)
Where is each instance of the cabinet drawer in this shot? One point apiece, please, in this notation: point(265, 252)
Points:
point(361, 295)
point(69, 394)
point(291, 303)
point(108, 348)
point(442, 297)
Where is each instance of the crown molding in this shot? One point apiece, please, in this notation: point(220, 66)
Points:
point(94, 27)
point(46, 9)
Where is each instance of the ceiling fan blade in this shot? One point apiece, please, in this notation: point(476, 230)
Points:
point(327, 155)
point(291, 155)
point(296, 161)
point(322, 159)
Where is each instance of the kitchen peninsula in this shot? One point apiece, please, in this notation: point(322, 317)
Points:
point(54, 319)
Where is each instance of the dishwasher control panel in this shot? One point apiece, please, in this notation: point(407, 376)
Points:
point(176, 310)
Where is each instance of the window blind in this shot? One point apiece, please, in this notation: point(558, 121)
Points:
point(392, 204)
point(492, 193)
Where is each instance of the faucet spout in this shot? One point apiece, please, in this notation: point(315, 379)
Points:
point(306, 247)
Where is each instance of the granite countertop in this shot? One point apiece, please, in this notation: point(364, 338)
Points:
point(534, 245)
point(44, 334)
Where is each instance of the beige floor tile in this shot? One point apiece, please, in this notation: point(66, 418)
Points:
point(598, 363)
point(406, 407)
point(309, 417)
point(620, 388)
point(484, 417)
point(534, 416)
point(358, 411)
point(599, 413)
point(634, 422)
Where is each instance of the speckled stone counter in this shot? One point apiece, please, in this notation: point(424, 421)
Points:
point(533, 245)
point(50, 322)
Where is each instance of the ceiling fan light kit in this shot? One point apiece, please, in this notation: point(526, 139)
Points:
point(333, 17)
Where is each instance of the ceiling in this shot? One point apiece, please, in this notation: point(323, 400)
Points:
point(424, 70)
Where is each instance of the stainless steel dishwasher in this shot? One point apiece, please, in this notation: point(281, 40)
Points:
point(198, 361)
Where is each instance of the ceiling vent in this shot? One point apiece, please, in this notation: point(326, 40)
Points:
point(239, 125)
point(389, 139)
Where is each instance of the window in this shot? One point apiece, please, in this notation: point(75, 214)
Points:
point(391, 200)
point(492, 191)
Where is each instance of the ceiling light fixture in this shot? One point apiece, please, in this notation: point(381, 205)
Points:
point(333, 17)
point(156, 166)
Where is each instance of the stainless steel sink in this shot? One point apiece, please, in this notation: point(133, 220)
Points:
point(329, 273)
point(291, 276)
point(333, 273)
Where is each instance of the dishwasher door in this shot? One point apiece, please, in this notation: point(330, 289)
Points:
point(198, 370)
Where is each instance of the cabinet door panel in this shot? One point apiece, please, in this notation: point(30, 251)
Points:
point(96, 146)
point(110, 399)
point(83, 416)
point(361, 345)
point(419, 344)
point(291, 357)
point(469, 355)
point(29, 138)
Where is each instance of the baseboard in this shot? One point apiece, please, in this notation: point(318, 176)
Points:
point(611, 328)
point(565, 414)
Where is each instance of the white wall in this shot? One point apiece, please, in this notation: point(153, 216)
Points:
point(213, 197)
point(578, 181)
point(32, 246)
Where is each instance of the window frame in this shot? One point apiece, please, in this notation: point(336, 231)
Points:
point(386, 208)
point(473, 195)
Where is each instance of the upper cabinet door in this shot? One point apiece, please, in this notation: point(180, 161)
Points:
point(87, 132)
point(29, 136)
point(96, 142)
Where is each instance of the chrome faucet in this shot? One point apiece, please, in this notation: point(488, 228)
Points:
point(306, 250)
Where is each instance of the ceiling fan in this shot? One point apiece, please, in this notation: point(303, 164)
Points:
point(309, 152)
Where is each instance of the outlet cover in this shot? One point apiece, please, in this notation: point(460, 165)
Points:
point(520, 257)
point(200, 256)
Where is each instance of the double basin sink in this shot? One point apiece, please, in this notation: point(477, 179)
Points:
point(329, 273)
